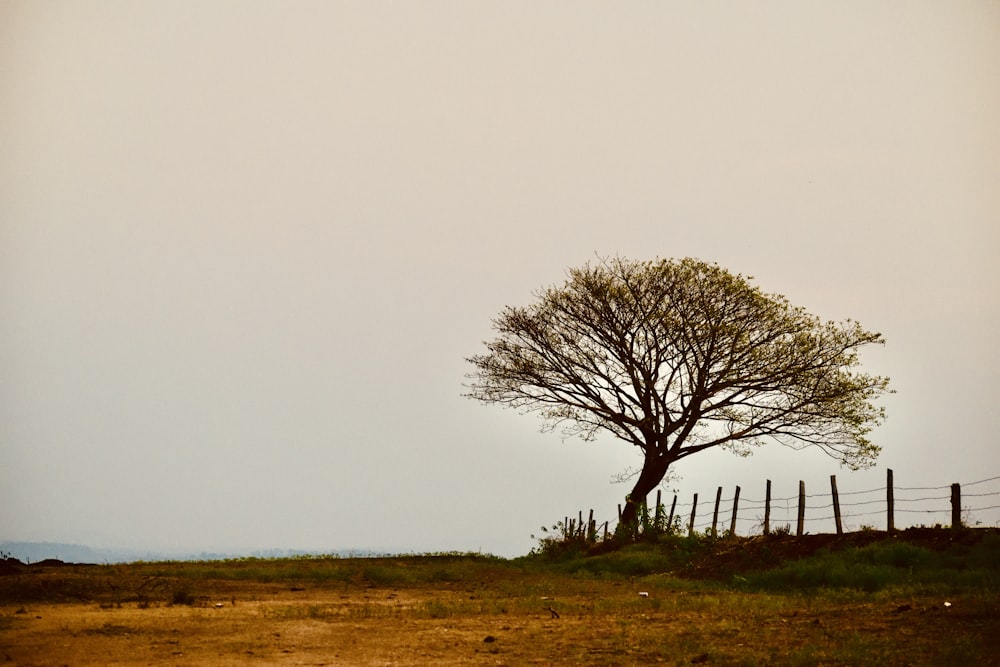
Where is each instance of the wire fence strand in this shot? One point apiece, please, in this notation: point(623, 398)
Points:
point(823, 508)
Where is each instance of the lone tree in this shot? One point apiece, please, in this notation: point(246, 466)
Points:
point(679, 356)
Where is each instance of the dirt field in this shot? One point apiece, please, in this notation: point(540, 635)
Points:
point(476, 614)
point(395, 627)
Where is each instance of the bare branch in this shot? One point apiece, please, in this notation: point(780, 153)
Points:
point(679, 356)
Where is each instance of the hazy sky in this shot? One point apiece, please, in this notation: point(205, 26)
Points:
point(245, 247)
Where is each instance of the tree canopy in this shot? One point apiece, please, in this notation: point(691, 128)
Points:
point(679, 356)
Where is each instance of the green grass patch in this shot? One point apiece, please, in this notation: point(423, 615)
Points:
point(887, 565)
point(669, 554)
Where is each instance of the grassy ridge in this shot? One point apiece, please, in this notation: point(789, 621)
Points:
point(882, 566)
point(779, 566)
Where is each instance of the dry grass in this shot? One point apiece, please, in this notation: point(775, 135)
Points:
point(466, 611)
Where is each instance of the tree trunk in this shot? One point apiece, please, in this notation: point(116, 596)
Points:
point(653, 471)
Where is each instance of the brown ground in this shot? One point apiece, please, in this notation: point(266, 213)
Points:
point(125, 615)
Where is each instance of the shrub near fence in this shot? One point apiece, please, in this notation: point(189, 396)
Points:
point(835, 506)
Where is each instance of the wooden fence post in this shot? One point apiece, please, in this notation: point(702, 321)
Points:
point(767, 509)
point(715, 516)
point(736, 505)
point(605, 531)
point(694, 507)
point(670, 521)
point(956, 506)
point(580, 525)
point(890, 522)
point(836, 504)
point(802, 508)
point(591, 527)
point(658, 515)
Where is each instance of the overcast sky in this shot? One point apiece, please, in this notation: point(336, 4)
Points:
point(246, 247)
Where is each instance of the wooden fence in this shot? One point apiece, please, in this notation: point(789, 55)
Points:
point(662, 520)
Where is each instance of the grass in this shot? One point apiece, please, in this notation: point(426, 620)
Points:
point(717, 602)
point(899, 566)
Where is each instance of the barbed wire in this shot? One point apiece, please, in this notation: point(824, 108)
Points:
point(784, 510)
point(934, 488)
point(988, 479)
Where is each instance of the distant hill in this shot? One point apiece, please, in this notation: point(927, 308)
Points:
point(33, 552)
